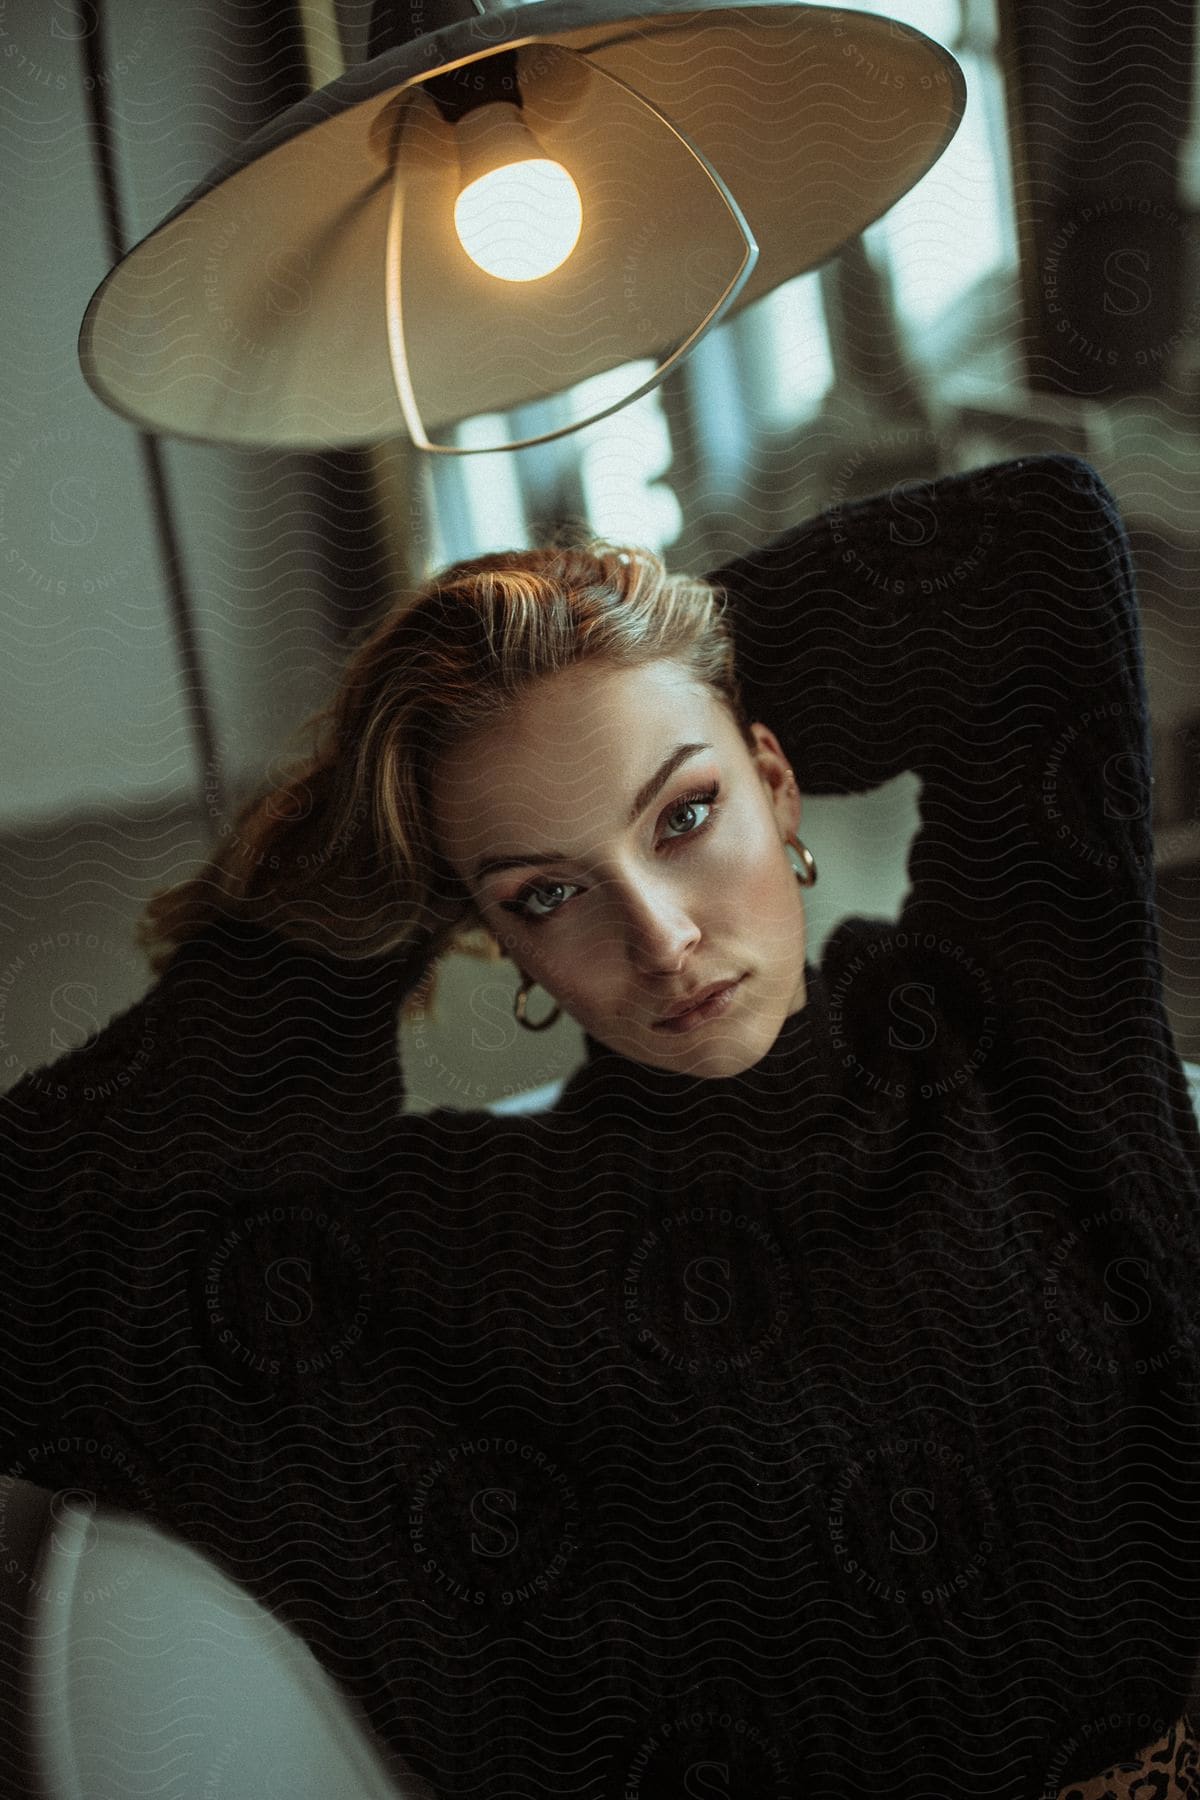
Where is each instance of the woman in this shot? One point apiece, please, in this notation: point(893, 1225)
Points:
point(805, 1404)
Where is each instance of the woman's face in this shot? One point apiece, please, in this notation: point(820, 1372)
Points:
point(621, 901)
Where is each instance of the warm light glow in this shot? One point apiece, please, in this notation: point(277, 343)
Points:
point(520, 221)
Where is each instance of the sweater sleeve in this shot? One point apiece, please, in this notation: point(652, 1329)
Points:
point(141, 1177)
point(983, 631)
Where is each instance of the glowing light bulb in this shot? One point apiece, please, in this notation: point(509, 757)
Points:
point(520, 221)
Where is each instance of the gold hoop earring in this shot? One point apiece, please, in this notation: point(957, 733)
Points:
point(804, 863)
point(521, 997)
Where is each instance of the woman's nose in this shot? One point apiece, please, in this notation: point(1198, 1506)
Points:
point(659, 929)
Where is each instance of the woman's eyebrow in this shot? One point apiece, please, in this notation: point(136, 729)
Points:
point(641, 800)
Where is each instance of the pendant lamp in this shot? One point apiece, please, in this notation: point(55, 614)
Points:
point(503, 201)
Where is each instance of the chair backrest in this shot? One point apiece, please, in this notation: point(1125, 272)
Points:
point(141, 1669)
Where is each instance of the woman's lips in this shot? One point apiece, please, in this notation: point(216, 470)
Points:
point(701, 1015)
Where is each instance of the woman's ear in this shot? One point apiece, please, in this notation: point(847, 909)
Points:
point(778, 777)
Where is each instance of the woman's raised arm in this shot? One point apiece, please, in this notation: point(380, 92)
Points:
point(983, 631)
point(251, 1068)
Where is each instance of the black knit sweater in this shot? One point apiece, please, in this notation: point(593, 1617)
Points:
point(826, 1430)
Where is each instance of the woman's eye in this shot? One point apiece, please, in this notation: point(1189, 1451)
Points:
point(538, 890)
point(521, 904)
point(688, 803)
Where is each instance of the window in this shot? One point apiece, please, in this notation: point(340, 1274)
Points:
point(787, 360)
point(947, 253)
point(622, 458)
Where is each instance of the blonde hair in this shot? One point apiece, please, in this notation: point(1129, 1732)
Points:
point(342, 852)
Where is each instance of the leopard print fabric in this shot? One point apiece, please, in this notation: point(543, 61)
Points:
point(1168, 1769)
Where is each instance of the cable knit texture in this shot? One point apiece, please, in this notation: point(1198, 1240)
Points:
point(826, 1430)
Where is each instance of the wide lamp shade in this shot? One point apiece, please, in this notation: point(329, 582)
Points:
point(314, 292)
